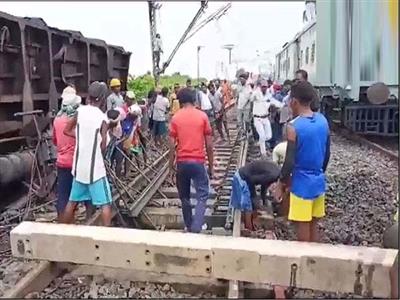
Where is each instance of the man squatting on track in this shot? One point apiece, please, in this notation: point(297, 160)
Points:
point(189, 131)
point(89, 125)
point(260, 172)
point(306, 159)
point(65, 151)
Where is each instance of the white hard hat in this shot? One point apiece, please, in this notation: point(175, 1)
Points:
point(69, 97)
point(130, 94)
point(135, 110)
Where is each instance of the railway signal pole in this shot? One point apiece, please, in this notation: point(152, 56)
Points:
point(189, 32)
point(153, 31)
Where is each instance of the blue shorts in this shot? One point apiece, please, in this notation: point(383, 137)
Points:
point(159, 128)
point(98, 192)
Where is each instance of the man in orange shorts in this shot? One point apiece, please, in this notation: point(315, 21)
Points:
point(306, 159)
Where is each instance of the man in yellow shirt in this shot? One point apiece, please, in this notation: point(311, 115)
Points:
point(174, 102)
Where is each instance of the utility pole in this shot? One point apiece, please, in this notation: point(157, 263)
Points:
point(198, 64)
point(153, 31)
point(229, 47)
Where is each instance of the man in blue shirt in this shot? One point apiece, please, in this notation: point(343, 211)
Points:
point(306, 159)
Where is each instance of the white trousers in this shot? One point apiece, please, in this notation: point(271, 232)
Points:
point(263, 127)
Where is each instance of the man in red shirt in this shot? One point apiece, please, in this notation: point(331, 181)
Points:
point(65, 150)
point(189, 131)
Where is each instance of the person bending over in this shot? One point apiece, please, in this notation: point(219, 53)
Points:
point(261, 173)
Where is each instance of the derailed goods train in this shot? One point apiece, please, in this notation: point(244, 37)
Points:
point(36, 63)
point(349, 47)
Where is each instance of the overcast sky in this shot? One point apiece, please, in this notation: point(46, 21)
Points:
point(251, 26)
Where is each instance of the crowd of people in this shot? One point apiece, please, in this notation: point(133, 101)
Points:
point(284, 120)
point(111, 126)
point(110, 129)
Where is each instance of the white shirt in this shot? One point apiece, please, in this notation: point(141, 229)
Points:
point(261, 103)
point(244, 95)
point(205, 101)
point(158, 45)
point(88, 165)
point(160, 108)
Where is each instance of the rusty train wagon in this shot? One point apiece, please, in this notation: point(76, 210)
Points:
point(38, 61)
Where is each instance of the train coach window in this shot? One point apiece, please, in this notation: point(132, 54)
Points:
point(301, 58)
point(313, 53)
point(307, 50)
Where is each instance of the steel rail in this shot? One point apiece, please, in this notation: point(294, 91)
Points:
point(43, 274)
point(235, 287)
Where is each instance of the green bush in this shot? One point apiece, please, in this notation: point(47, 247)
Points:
point(141, 85)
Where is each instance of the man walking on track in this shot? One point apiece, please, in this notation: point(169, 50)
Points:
point(243, 105)
point(217, 101)
point(307, 156)
point(189, 131)
point(262, 101)
point(90, 181)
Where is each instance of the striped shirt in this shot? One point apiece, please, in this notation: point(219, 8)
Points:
point(88, 165)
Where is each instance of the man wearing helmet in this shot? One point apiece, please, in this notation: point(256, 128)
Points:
point(115, 99)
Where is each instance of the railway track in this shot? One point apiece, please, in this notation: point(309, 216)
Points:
point(386, 146)
point(146, 199)
point(44, 272)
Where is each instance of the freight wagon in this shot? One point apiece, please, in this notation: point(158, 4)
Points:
point(38, 61)
point(350, 46)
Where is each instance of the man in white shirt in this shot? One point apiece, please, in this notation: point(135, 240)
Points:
point(158, 49)
point(262, 101)
point(160, 111)
point(89, 126)
point(244, 92)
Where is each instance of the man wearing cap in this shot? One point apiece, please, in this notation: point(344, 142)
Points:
point(129, 100)
point(65, 150)
point(89, 125)
point(115, 99)
point(189, 132)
